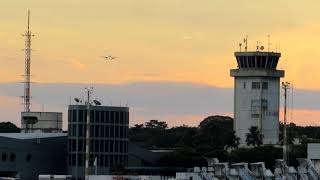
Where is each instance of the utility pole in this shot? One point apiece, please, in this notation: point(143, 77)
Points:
point(285, 87)
point(89, 91)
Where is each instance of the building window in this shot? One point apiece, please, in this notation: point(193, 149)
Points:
point(80, 130)
point(97, 117)
point(96, 145)
point(106, 160)
point(102, 144)
point(255, 85)
point(116, 132)
point(73, 145)
point(12, 157)
point(255, 115)
point(112, 117)
point(264, 104)
point(106, 131)
point(107, 116)
point(264, 85)
point(97, 128)
point(116, 146)
point(244, 85)
point(28, 158)
point(117, 118)
point(257, 104)
point(103, 116)
point(4, 157)
point(74, 115)
point(80, 160)
point(74, 130)
point(111, 146)
point(80, 145)
point(112, 131)
point(81, 118)
point(106, 146)
point(69, 115)
point(91, 116)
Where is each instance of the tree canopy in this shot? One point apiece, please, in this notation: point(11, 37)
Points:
point(215, 138)
point(8, 127)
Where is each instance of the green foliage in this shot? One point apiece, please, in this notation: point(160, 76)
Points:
point(215, 132)
point(254, 137)
point(8, 127)
point(267, 154)
point(183, 157)
point(213, 138)
point(290, 133)
point(155, 124)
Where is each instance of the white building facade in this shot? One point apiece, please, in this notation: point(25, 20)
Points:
point(257, 95)
point(41, 122)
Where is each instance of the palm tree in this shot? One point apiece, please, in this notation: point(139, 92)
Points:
point(254, 137)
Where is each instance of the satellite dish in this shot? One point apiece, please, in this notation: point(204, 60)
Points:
point(97, 102)
point(77, 100)
point(261, 48)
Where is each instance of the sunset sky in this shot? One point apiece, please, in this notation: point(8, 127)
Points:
point(158, 42)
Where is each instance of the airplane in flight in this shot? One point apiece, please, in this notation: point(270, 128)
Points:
point(109, 57)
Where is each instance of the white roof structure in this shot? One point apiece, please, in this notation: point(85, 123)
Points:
point(23, 136)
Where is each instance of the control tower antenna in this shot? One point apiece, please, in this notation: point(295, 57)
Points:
point(245, 41)
point(269, 43)
point(27, 35)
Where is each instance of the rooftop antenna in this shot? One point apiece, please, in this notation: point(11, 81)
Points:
point(258, 45)
point(279, 48)
point(26, 96)
point(269, 43)
point(89, 92)
point(245, 41)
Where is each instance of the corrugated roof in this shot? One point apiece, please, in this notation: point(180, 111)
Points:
point(32, 135)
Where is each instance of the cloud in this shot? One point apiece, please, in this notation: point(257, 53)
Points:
point(76, 64)
point(187, 37)
point(175, 103)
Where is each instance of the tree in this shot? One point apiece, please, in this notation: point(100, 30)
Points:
point(254, 137)
point(215, 133)
point(138, 126)
point(232, 140)
point(290, 133)
point(8, 127)
point(155, 124)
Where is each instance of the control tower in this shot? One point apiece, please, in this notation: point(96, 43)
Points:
point(256, 94)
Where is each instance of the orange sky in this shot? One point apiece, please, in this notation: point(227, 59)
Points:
point(163, 40)
point(172, 40)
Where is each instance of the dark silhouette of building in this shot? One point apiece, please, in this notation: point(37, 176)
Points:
point(108, 139)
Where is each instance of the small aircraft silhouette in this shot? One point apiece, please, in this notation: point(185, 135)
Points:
point(109, 57)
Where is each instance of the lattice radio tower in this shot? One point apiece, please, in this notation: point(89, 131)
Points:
point(28, 35)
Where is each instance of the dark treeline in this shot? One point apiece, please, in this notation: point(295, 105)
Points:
point(214, 137)
point(8, 127)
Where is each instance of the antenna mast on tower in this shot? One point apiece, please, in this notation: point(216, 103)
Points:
point(27, 35)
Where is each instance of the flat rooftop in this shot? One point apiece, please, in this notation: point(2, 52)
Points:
point(32, 135)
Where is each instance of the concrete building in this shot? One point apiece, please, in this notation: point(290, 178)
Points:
point(41, 122)
point(108, 138)
point(26, 155)
point(256, 94)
